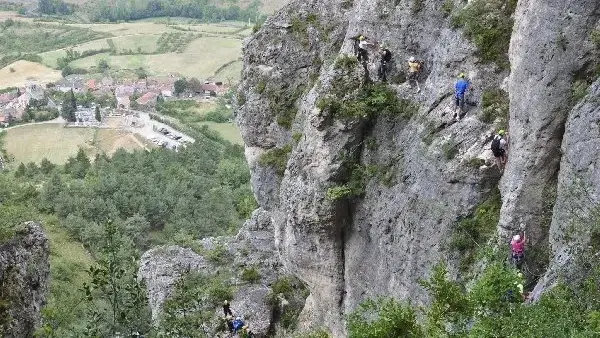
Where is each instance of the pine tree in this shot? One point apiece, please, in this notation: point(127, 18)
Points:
point(98, 115)
point(69, 107)
point(20, 170)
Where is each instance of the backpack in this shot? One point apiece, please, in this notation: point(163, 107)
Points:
point(496, 146)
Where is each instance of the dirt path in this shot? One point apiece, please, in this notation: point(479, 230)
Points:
point(58, 120)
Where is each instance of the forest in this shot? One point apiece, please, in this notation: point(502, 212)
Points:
point(118, 207)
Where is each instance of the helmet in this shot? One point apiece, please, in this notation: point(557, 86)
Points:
point(461, 75)
point(411, 59)
point(238, 318)
point(361, 38)
point(516, 238)
point(225, 302)
point(501, 132)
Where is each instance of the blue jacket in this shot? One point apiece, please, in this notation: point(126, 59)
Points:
point(238, 324)
point(461, 87)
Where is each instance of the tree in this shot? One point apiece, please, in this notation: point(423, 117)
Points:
point(180, 86)
point(116, 300)
point(98, 115)
point(103, 65)
point(195, 85)
point(69, 107)
point(46, 166)
point(21, 169)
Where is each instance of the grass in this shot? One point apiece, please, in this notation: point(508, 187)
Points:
point(32, 143)
point(25, 72)
point(488, 24)
point(495, 104)
point(228, 131)
point(160, 46)
point(474, 231)
point(201, 59)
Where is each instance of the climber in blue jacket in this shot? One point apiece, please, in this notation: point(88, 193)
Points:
point(460, 89)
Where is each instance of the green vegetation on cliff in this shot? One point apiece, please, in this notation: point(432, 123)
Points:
point(491, 307)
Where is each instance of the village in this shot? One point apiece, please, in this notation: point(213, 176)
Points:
point(125, 104)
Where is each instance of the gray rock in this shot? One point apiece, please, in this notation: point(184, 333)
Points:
point(385, 241)
point(24, 280)
point(547, 49)
point(252, 247)
point(161, 267)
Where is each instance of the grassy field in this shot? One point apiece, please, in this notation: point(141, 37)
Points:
point(228, 131)
point(201, 58)
point(53, 141)
point(22, 72)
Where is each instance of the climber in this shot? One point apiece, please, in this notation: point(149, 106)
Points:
point(499, 146)
point(238, 324)
point(229, 322)
point(460, 89)
point(247, 332)
point(362, 46)
point(227, 308)
point(517, 246)
point(414, 69)
point(386, 58)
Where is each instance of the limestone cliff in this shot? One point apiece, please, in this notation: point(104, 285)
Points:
point(24, 277)
point(253, 247)
point(417, 175)
point(385, 240)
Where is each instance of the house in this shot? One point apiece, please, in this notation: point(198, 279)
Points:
point(213, 89)
point(124, 90)
point(71, 82)
point(148, 99)
point(7, 97)
point(123, 102)
point(5, 119)
point(91, 85)
point(107, 82)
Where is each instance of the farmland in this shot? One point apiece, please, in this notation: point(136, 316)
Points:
point(161, 47)
point(32, 143)
point(21, 72)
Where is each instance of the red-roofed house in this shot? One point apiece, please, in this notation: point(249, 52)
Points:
point(213, 89)
point(91, 85)
point(7, 97)
point(148, 99)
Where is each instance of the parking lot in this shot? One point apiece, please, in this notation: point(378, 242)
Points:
point(159, 133)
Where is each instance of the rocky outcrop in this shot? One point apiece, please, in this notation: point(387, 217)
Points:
point(385, 241)
point(253, 246)
point(24, 278)
point(577, 210)
point(550, 49)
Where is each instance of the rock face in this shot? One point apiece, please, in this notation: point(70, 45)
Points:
point(24, 278)
point(386, 240)
point(254, 246)
point(577, 210)
point(550, 50)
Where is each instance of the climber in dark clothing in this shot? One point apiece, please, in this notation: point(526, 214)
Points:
point(229, 322)
point(386, 58)
point(227, 308)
